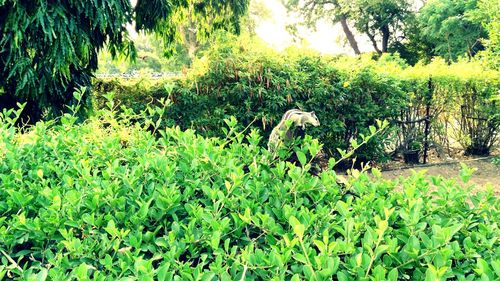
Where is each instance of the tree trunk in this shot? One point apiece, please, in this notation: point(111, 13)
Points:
point(349, 35)
point(385, 37)
point(374, 42)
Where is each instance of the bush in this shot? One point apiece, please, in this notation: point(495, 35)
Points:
point(260, 88)
point(258, 85)
point(107, 200)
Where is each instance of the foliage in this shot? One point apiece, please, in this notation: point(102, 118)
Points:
point(257, 85)
point(312, 11)
point(48, 49)
point(164, 17)
point(150, 58)
point(488, 13)
point(381, 21)
point(260, 86)
point(106, 200)
point(417, 31)
point(496, 160)
point(449, 30)
point(257, 11)
point(480, 120)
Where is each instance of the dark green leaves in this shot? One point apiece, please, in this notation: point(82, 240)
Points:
point(47, 50)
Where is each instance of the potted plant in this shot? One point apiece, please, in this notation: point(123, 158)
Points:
point(412, 152)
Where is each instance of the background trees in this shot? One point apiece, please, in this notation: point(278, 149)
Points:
point(450, 29)
point(418, 30)
point(381, 21)
point(335, 10)
point(49, 48)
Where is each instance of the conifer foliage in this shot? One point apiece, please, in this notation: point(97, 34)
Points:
point(48, 48)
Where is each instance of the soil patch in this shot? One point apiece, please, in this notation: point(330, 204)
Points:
point(486, 173)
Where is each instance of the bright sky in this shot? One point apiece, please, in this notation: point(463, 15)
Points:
point(328, 38)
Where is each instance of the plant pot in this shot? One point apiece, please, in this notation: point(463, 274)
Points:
point(411, 156)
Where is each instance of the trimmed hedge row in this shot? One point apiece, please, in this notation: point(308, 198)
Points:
point(347, 95)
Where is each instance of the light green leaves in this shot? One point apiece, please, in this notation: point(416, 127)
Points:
point(185, 206)
point(215, 240)
point(39, 173)
point(466, 172)
point(302, 157)
point(81, 271)
point(298, 228)
point(483, 269)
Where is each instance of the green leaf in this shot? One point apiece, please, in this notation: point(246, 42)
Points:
point(300, 257)
point(111, 229)
point(39, 173)
point(215, 239)
point(309, 273)
point(393, 275)
point(466, 172)
point(482, 267)
point(354, 143)
point(376, 172)
point(342, 207)
point(495, 264)
point(372, 129)
point(163, 273)
point(426, 240)
point(302, 157)
point(382, 226)
point(42, 275)
point(321, 246)
point(81, 271)
point(380, 250)
point(208, 276)
point(341, 276)
point(298, 228)
point(379, 272)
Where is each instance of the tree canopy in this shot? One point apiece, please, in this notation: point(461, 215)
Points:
point(380, 20)
point(417, 30)
point(48, 48)
point(450, 29)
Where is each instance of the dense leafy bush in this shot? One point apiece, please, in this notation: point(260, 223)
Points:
point(348, 94)
point(107, 200)
point(258, 88)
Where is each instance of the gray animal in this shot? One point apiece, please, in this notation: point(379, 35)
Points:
point(282, 132)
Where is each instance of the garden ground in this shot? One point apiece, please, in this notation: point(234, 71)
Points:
point(486, 172)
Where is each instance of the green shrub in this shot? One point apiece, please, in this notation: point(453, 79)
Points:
point(259, 89)
point(107, 200)
point(258, 85)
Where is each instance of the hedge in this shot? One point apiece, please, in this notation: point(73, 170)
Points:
point(348, 95)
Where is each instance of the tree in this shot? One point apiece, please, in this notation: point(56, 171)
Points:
point(334, 10)
point(257, 11)
point(381, 19)
point(378, 19)
point(488, 14)
point(48, 48)
point(449, 29)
